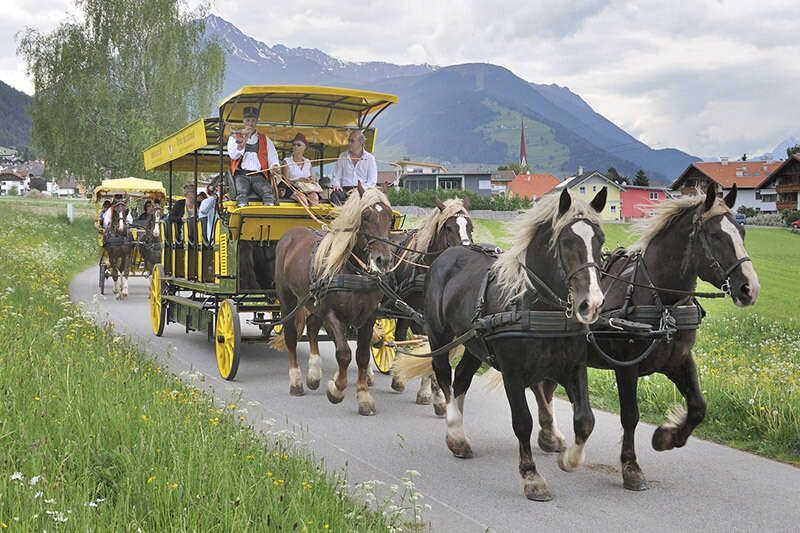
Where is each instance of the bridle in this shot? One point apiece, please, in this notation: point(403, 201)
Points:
point(723, 273)
point(547, 294)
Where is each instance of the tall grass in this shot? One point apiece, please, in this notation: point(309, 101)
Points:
point(94, 436)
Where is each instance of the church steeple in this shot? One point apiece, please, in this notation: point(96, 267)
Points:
point(523, 156)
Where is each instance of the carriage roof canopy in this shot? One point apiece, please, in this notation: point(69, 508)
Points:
point(130, 186)
point(325, 115)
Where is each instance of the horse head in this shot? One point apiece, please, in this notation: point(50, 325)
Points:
point(372, 238)
point(721, 258)
point(453, 224)
point(578, 242)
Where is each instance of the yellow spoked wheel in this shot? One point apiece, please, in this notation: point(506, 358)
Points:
point(158, 307)
point(383, 349)
point(229, 339)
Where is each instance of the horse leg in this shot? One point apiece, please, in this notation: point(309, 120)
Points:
point(437, 398)
point(534, 485)
point(627, 383)
point(424, 392)
point(366, 405)
point(125, 272)
point(400, 334)
point(338, 384)
point(456, 439)
point(680, 424)
point(290, 338)
point(550, 437)
point(314, 360)
point(582, 419)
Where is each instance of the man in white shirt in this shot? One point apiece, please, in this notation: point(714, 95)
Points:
point(107, 214)
point(353, 166)
point(251, 151)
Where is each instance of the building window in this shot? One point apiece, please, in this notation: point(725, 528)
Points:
point(450, 184)
point(613, 209)
point(594, 188)
point(582, 189)
point(758, 195)
point(653, 195)
point(769, 197)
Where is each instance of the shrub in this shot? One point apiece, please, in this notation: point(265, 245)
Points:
point(790, 215)
point(765, 219)
point(427, 198)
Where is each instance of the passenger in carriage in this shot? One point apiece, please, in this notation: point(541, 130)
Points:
point(207, 212)
point(353, 166)
point(251, 151)
point(183, 210)
point(298, 173)
point(99, 222)
point(147, 211)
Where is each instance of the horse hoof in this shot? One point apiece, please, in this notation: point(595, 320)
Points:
point(366, 409)
point(296, 390)
point(423, 399)
point(313, 384)
point(440, 409)
point(570, 459)
point(548, 442)
point(536, 489)
point(370, 379)
point(334, 396)
point(398, 385)
point(662, 439)
point(460, 448)
point(633, 478)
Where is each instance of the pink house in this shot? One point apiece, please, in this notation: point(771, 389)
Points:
point(635, 200)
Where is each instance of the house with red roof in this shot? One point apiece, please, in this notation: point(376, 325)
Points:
point(531, 186)
point(747, 175)
point(785, 181)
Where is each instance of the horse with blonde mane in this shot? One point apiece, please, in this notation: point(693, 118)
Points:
point(447, 225)
point(686, 239)
point(119, 246)
point(329, 277)
point(524, 313)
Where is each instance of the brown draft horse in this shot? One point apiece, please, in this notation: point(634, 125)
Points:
point(550, 270)
point(118, 245)
point(446, 226)
point(150, 243)
point(308, 269)
point(686, 239)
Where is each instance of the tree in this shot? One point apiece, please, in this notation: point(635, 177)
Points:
point(615, 176)
point(792, 150)
point(115, 79)
point(641, 178)
point(516, 167)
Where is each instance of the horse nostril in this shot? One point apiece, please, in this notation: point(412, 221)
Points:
point(745, 289)
point(583, 307)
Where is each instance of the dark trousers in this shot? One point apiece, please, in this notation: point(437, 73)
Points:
point(257, 182)
point(340, 197)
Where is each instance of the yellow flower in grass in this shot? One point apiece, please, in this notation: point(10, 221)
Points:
point(232, 406)
point(37, 398)
point(151, 479)
point(173, 486)
point(268, 474)
point(214, 421)
point(145, 418)
point(278, 482)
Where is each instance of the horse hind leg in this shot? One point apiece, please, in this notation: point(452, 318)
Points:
point(291, 330)
point(401, 333)
point(366, 405)
point(550, 437)
point(437, 398)
point(627, 381)
point(680, 423)
point(582, 419)
point(314, 375)
point(456, 438)
point(338, 385)
point(424, 392)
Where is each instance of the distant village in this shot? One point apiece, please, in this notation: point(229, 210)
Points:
point(763, 186)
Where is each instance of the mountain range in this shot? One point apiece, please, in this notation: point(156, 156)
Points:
point(15, 121)
point(462, 116)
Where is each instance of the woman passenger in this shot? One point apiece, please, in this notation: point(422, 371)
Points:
point(298, 173)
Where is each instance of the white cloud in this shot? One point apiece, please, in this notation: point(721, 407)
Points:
point(711, 77)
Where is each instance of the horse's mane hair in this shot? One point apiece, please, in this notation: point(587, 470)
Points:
point(509, 272)
point(336, 245)
point(432, 224)
point(666, 213)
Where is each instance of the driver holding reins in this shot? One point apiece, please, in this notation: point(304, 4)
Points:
point(252, 153)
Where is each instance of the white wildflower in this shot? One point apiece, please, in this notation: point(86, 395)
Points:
point(35, 480)
point(17, 476)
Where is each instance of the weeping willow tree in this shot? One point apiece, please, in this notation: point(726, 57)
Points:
point(115, 79)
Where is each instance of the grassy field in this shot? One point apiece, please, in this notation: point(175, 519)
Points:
point(748, 359)
point(96, 436)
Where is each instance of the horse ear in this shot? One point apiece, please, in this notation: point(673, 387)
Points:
point(439, 203)
point(565, 202)
point(730, 199)
point(599, 201)
point(711, 196)
point(360, 189)
point(465, 201)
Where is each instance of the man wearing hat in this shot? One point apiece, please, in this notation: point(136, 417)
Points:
point(252, 153)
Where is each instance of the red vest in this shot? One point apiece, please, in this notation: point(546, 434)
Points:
point(262, 155)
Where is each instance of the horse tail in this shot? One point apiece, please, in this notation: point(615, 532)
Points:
point(408, 367)
point(491, 380)
point(278, 342)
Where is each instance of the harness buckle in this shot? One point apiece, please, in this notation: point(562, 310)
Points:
point(569, 311)
point(613, 323)
point(726, 286)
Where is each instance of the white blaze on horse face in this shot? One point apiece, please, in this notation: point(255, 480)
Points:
point(747, 267)
point(378, 208)
point(462, 230)
point(121, 222)
point(584, 230)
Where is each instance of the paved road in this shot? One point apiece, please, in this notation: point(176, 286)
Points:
point(702, 486)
